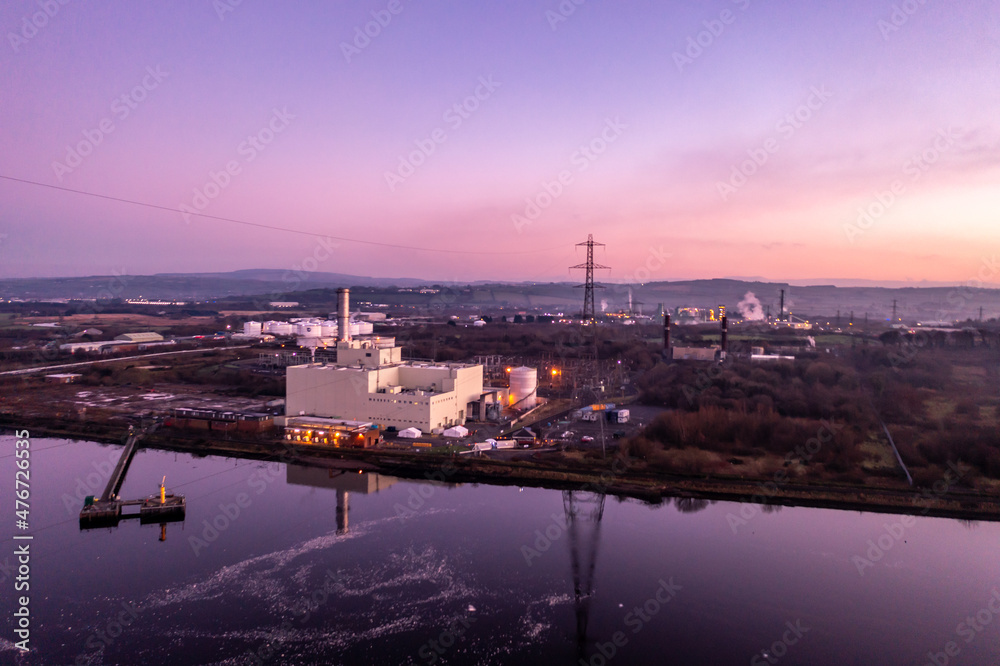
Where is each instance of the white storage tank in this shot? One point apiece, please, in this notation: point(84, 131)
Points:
point(523, 387)
point(358, 328)
point(252, 328)
point(310, 328)
point(329, 329)
point(279, 328)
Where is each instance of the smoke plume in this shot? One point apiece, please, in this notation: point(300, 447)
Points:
point(750, 308)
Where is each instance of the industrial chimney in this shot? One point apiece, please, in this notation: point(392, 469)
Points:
point(666, 333)
point(725, 337)
point(343, 315)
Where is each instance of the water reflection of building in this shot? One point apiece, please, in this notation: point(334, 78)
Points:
point(344, 481)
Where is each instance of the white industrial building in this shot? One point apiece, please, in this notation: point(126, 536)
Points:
point(147, 336)
point(371, 382)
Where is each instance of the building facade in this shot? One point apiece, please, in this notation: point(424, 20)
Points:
point(370, 382)
point(331, 432)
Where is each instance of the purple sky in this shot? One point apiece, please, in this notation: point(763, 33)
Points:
point(840, 105)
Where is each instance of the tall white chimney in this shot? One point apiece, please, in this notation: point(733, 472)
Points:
point(343, 315)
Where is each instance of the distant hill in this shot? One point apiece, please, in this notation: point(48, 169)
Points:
point(923, 304)
point(189, 286)
point(913, 303)
point(317, 279)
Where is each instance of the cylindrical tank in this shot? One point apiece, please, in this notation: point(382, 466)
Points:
point(523, 387)
point(344, 314)
point(279, 328)
point(329, 329)
point(309, 329)
point(252, 328)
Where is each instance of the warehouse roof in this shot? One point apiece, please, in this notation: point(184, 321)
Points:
point(148, 336)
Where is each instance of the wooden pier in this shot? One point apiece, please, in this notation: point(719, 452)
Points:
point(109, 509)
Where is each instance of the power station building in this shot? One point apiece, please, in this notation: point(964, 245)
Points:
point(370, 382)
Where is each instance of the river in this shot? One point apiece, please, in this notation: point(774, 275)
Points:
point(266, 569)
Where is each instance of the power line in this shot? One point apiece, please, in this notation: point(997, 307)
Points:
point(271, 226)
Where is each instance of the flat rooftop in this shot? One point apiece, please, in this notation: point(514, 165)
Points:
point(299, 421)
point(447, 365)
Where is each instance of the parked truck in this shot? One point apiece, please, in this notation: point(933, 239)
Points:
point(618, 416)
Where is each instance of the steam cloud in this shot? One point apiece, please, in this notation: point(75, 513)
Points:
point(750, 308)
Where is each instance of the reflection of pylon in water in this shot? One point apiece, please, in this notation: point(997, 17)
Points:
point(584, 511)
point(343, 507)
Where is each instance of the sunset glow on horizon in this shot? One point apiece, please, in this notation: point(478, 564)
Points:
point(786, 141)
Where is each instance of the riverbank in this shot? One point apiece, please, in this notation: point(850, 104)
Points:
point(614, 476)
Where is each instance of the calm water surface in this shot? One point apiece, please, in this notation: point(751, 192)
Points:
point(265, 570)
